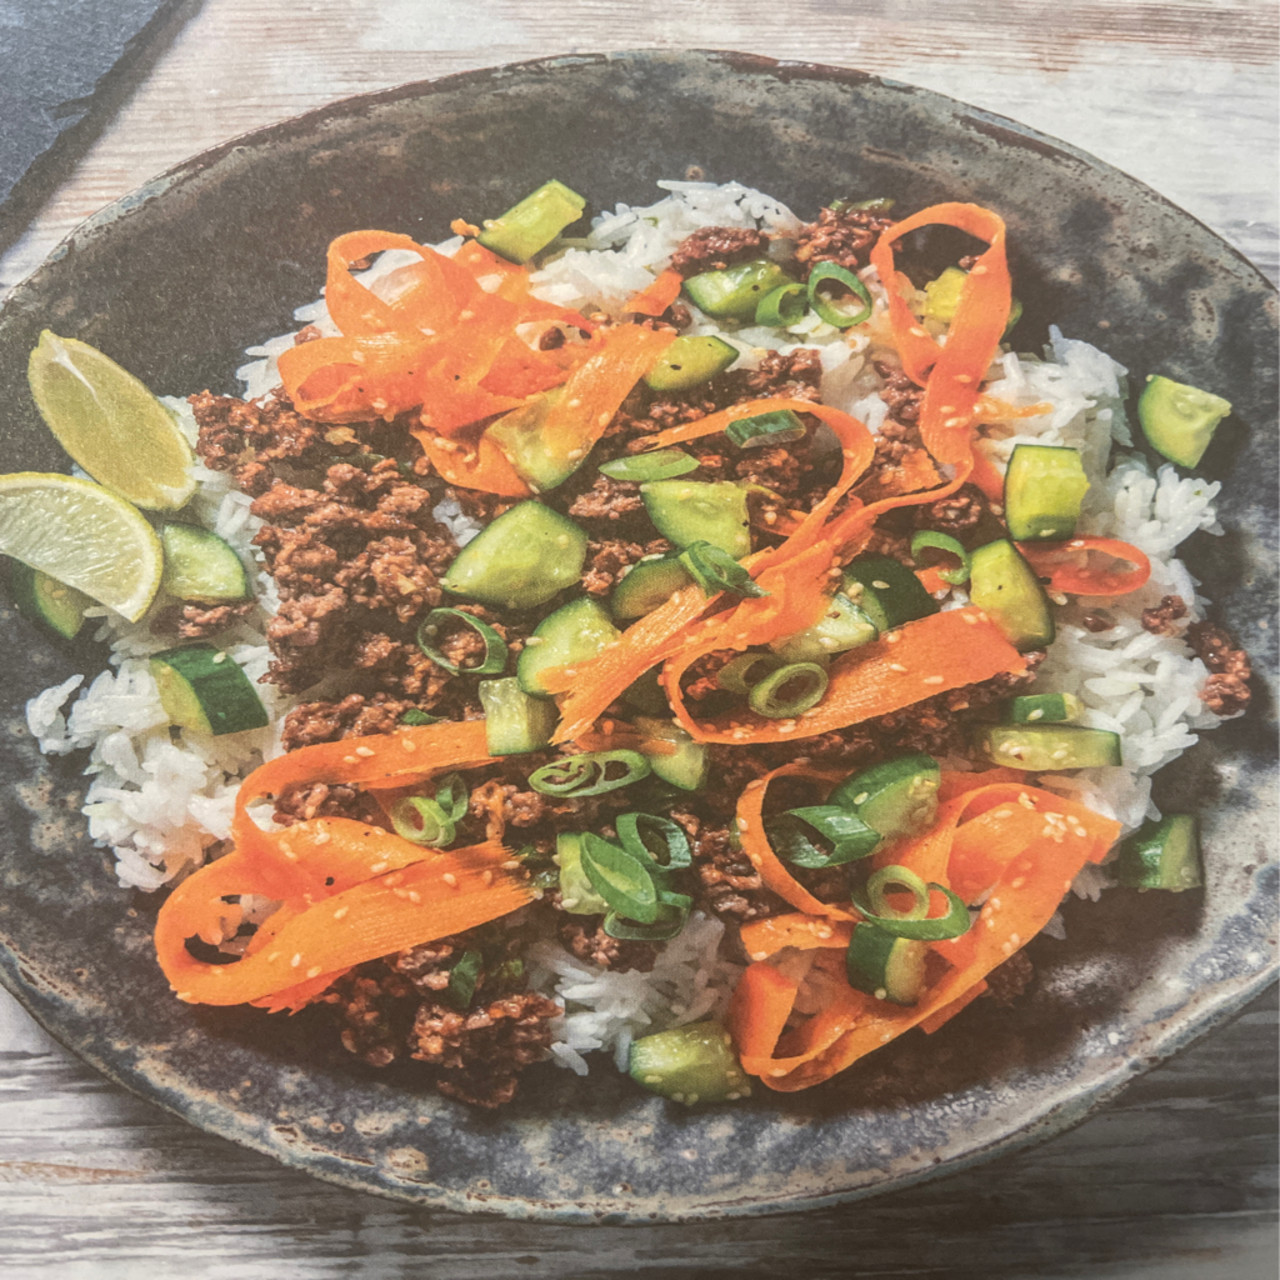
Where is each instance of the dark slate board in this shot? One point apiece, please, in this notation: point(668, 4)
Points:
point(65, 67)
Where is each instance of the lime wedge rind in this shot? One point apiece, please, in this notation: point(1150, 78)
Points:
point(111, 424)
point(84, 536)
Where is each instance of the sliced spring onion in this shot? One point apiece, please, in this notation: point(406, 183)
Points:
point(463, 978)
point(621, 880)
point(783, 306)
point(589, 774)
point(495, 648)
point(778, 427)
point(943, 542)
point(662, 464)
point(740, 675)
point(914, 922)
point(453, 797)
point(658, 843)
point(416, 716)
point(846, 838)
point(422, 821)
point(672, 915)
point(715, 570)
point(788, 691)
point(839, 315)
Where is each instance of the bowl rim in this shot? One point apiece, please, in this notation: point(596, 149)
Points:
point(1203, 1012)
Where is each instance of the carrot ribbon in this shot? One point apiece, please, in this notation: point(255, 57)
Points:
point(1088, 566)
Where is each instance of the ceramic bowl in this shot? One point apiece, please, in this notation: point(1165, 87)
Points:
point(177, 278)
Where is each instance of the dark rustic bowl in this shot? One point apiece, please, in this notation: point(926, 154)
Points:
point(177, 278)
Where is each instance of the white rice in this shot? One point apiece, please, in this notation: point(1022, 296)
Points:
point(161, 799)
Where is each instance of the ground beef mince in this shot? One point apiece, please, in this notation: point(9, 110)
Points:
point(302, 801)
point(956, 514)
point(375, 1009)
point(725, 882)
point(585, 937)
point(714, 248)
point(608, 560)
point(1165, 619)
point(480, 1053)
point(1226, 692)
point(796, 375)
point(355, 716)
point(196, 619)
point(902, 395)
point(607, 499)
point(842, 236)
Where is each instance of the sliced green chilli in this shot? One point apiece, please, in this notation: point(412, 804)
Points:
point(839, 313)
point(1045, 748)
point(514, 721)
point(1003, 584)
point(204, 690)
point(522, 560)
point(715, 570)
point(789, 691)
point(532, 223)
point(689, 511)
point(662, 464)
point(778, 427)
point(1179, 420)
point(690, 361)
point(434, 624)
point(422, 821)
point(575, 633)
point(1163, 854)
point(1043, 489)
point(589, 774)
point(928, 539)
point(783, 306)
point(733, 293)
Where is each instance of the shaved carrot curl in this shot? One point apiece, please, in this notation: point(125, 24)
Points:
point(1088, 566)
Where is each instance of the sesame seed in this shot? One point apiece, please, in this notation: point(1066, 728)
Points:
point(1037, 714)
point(414, 896)
point(891, 637)
point(219, 657)
point(1007, 948)
point(1025, 800)
point(953, 422)
point(349, 760)
point(778, 1072)
point(861, 797)
point(970, 618)
point(880, 993)
point(296, 961)
point(408, 744)
point(932, 680)
point(341, 911)
point(314, 971)
point(365, 752)
point(377, 868)
point(896, 666)
point(879, 586)
point(511, 864)
point(273, 957)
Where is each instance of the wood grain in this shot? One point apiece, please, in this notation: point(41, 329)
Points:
point(1177, 1178)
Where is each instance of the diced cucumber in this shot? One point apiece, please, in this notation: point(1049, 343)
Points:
point(199, 565)
point(574, 633)
point(204, 690)
point(1046, 708)
point(1179, 420)
point(46, 600)
point(733, 292)
point(693, 1063)
point(1042, 748)
point(520, 435)
point(648, 584)
point(577, 894)
point(885, 966)
point(688, 511)
point(515, 721)
point(844, 626)
point(1043, 489)
point(1163, 854)
point(520, 561)
point(942, 297)
point(887, 592)
point(686, 767)
point(690, 361)
point(895, 797)
point(532, 224)
point(645, 694)
point(1005, 585)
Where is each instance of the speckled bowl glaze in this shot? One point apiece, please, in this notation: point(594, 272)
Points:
point(177, 278)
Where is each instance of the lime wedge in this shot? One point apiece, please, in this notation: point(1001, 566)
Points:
point(84, 536)
point(111, 424)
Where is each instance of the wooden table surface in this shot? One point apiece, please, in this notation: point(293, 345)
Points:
point(1176, 1179)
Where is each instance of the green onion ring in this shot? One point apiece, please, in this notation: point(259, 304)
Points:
point(675, 843)
point(765, 697)
point(673, 914)
point(823, 306)
point(778, 427)
point(422, 821)
point(453, 797)
point(715, 570)
point(914, 923)
point(736, 674)
point(662, 464)
point(944, 542)
point(495, 648)
point(621, 880)
point(849, 837)
point(779, 308)
point(588, 774)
